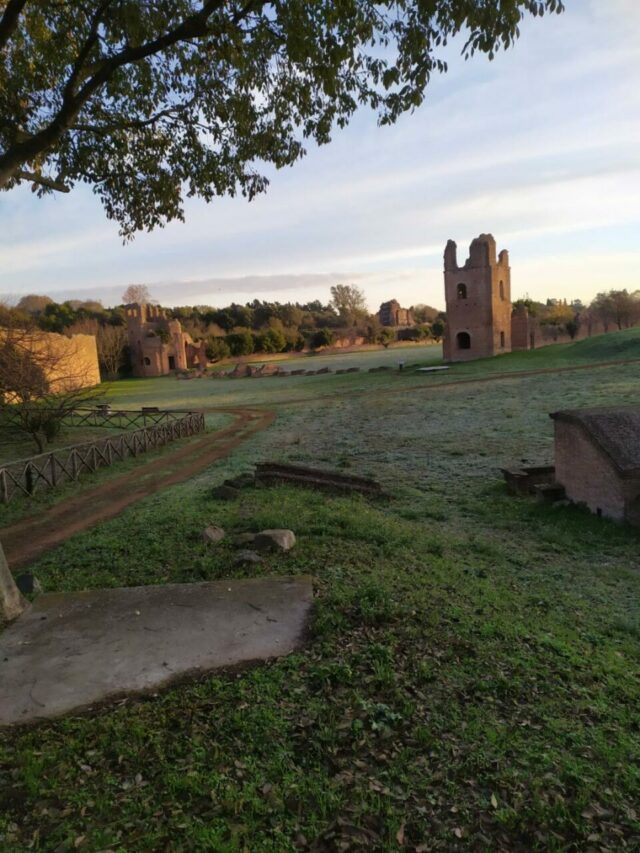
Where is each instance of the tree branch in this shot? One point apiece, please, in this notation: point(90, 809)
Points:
point(43, 181)
point(9, 20)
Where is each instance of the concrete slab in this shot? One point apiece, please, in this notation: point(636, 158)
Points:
point(70, 651)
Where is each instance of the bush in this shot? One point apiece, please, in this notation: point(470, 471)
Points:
point(322, 338)
point(385, 337)
point(272, 341)
point(217, 349)
point(240, 343)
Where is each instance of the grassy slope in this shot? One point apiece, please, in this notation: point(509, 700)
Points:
point(473, 672)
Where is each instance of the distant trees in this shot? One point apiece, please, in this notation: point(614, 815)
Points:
point(557, 313)
point(322, 338)
point(217, 349)
point(424, 313)
point(273, 340)
point(437, 329)
point(385, 336)
point(33, 304)
point(240, 343)
point(112, 347)
point(136, 293)
point(234, 330)
point(617, 307)
point(349, 302)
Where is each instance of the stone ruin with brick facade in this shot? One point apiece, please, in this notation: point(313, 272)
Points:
point(391, 314)
point(158, 345)
point(478, 298)
point(481, 320)
point(597, 459)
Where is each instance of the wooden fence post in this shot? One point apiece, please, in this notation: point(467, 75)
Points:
point(28, 477)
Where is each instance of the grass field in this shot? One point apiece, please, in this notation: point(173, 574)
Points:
point(472, 676)
point(15, 446)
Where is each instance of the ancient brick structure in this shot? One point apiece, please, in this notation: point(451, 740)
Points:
point(391, 314)
point(478, 297)
point(69, 362)
point(525, 330)
point(158, 345)
point(597, 459)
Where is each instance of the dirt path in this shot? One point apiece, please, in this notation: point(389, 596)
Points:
point(27, 539)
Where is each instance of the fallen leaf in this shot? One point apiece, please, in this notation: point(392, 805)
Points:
point(494, 801)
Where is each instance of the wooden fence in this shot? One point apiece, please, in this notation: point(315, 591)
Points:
point(49, 470)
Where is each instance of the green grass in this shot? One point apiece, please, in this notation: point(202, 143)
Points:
point(14, 446)
point(23, 507)
point(472, 675)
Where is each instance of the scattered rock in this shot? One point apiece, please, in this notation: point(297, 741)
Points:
point(245, 556)
point(28, 584)
point(213, 534)
point(225, 493)
point(274, 540)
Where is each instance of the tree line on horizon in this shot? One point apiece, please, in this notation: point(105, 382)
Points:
point(267, 327)
point(237, 329)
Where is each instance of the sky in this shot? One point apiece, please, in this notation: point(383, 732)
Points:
point(540, 147)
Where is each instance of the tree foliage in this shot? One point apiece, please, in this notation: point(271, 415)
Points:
point(617, 307)
point(136, 293)
point(149, 102)
point(349, 302)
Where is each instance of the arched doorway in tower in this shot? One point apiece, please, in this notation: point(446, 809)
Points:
point(463, 340)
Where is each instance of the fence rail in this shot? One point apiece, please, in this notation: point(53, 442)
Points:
point(105, 416)
point(50, 470)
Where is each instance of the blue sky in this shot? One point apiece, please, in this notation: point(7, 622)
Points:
point(541, 147)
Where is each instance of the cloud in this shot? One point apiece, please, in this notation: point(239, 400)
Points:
point(538, 147)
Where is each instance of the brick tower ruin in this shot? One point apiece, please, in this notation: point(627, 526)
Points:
point(478, 297)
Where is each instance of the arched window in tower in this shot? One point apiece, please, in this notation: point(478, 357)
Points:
point(462, 291)
point(463, 340)
point(502, 290)
point(501, 340)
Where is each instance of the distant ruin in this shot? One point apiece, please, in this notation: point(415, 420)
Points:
point(391, 314)
point(158, 345)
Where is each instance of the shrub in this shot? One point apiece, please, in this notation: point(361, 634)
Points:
point(217, 349)
point(240, 343)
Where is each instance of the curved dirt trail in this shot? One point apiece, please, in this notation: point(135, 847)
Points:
point(27, 539)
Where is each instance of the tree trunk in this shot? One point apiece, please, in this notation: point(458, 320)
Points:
point(11, 601)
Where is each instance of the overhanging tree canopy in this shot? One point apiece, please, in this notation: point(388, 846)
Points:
point(152, 100)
